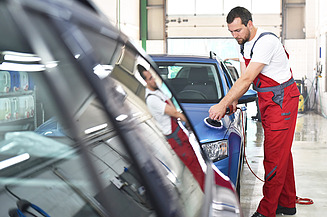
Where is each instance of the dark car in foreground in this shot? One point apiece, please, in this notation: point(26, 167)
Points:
point(76, 137)
point(199, 82)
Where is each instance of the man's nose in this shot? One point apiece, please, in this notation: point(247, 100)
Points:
point(234, 34)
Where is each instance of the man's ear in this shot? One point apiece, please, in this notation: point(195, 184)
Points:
point(250, 24)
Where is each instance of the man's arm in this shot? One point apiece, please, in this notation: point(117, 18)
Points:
point(235, 59)
point(243, 67)
point(172, 112)
point(238, 89)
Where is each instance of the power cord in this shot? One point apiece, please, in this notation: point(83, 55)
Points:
point(22, 206)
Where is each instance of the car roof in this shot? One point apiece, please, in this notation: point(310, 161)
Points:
point(182, 58)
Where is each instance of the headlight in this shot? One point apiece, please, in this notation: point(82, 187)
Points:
point(216, 150)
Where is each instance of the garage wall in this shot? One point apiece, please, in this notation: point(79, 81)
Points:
point(184, 26)
point(302, 55)
point(307, 55)
point(321, 37)
point(124, 14)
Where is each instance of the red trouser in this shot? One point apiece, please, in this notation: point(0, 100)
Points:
point(179, 142)
point(278, 121)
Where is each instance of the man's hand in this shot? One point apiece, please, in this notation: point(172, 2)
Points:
point(234, 106)
point(218, 111)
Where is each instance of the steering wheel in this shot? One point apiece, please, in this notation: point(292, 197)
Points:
point(191, 93)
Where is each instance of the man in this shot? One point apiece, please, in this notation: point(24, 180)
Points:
point(166, 115)
point(265, 63)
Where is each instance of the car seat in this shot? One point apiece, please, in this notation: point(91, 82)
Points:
point(199, 87)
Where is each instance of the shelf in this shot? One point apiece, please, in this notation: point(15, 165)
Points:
point(18, 93)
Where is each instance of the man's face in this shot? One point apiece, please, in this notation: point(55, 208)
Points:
point(239, 31)
point(152, 85)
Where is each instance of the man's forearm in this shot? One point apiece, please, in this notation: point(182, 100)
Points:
point(236, 92)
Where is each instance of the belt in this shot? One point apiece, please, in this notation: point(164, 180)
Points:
point(174, 135)
point(277, 90)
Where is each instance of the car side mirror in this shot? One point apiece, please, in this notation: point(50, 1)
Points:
point(249, 96)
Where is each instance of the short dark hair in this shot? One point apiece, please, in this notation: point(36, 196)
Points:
point(240, 12)
point(141, 69)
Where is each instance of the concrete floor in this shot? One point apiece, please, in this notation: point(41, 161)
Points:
point(310, 162)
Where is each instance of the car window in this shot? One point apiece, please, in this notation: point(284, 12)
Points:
point(233, 72)
point(230, 81)
point(45, 133)
point(192, 82)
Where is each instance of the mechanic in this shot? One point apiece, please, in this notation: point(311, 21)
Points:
point(264, 62)
point(166, 115)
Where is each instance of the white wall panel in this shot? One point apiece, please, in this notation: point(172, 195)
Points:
point(155, 46)
point(215, 26)
point(299, 60)
point(123, 14)
point(266, 6)
point(219, 7)
point(228, 5)
point(181, 7)
point(209, 7)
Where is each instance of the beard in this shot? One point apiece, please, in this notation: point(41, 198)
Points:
point(154, 87)
point(242, 41)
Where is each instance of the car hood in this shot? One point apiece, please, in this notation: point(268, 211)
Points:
point(196, 113)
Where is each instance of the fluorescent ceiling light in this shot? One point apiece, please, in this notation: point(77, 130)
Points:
point(21, 67)
point(121, 117)
point(20, 57)
point(96, 128)
point(14, 160)
point(102, 71)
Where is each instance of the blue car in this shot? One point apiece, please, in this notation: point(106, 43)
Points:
point(198, 83)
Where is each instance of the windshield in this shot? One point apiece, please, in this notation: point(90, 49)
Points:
point(50, 113)
point(192, 82)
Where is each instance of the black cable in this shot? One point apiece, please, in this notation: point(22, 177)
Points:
point(18, 198)
point(12, 193)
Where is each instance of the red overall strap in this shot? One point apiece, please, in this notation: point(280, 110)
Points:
point(262, 80)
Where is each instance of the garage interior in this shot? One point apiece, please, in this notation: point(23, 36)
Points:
point(309, 152)
point(168, 26)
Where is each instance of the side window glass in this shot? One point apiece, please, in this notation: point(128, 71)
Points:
point(228, 77)
point(233, 72)
point(170, 72)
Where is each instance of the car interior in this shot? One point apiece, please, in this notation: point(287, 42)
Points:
point(192, 82)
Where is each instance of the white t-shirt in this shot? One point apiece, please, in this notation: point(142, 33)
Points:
point(269, 51)
point(155, 101)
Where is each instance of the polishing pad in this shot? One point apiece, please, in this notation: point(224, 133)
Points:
point(213, 123)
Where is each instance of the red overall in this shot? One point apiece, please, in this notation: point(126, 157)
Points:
point(278, 114)
point(179, 142)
